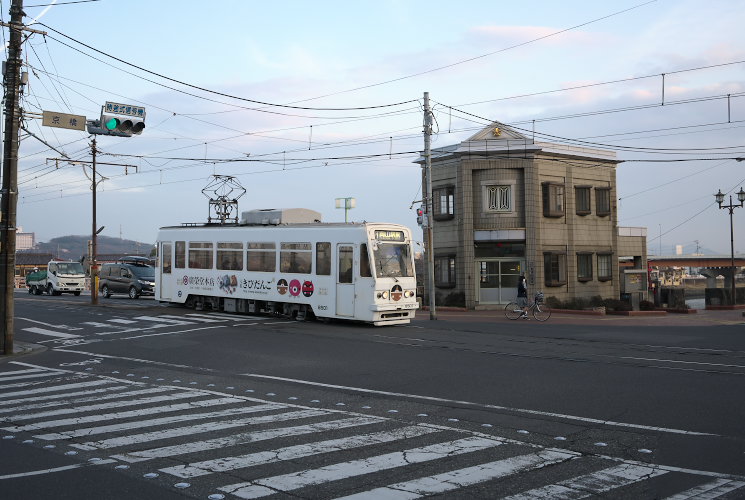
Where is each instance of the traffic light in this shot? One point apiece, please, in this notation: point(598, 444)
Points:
point(122, 119)
point(419, 216)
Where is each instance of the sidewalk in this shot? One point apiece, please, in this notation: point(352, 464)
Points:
point(566, 317)
point(21, 348)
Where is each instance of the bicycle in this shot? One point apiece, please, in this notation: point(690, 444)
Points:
point(541, 311)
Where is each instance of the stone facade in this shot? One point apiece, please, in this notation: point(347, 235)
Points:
point(505, 205)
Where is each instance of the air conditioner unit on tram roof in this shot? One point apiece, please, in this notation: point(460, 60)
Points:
point(276, 216)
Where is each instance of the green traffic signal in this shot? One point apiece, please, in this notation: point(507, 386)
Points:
point(112, 124)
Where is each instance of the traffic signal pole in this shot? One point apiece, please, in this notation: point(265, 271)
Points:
point(9, 201)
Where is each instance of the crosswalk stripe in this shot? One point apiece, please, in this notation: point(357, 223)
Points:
point(193, 317)
point(148, 437)
point(50, 404)
point(55, 388)
point(97, 324)
point(290, 482)
point(298, 451)
point(50, 397)
point(158, 319)
point(124, 426)
point(461, 478)
point(21, 372)
point(27, 376)
point(121, 321)
point(709, 491)
point(592, 484)
point(50, 333)
point(106, 406)
point(243, 438)
point(126, 414)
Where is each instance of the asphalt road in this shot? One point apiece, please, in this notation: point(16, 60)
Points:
point(132, 399)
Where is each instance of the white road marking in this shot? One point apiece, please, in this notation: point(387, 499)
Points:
point(289, 482)
point(37, 404)
point(50, 333)
point(592, 484)
point(62, 327)
point(39, 399)
point(682, 362)
point(56, 469)
point(107, 406)
point(298, 451)
point(26, 376)
point(159, 319)
point(139, 424)
point(126, 414)
point(456, 479)
point(148, 437)
point(193, 317)
point(244, 438)
point(493, 407)
point(97, 324)
point(709, 491)
point(21, 372)
point(56, 388)
point(121, 321)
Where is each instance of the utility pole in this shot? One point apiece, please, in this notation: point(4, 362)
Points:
point(8, 204)
point(427, 191)
point(94, 230)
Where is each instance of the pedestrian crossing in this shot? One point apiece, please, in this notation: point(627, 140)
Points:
point(240, 446)
point(117, 325)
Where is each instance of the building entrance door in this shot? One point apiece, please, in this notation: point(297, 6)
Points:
point(498, 280)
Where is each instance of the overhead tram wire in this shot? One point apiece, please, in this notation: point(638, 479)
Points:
point(215, 92)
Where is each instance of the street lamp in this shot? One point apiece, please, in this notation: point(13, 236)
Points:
point(731, 207)
point(346, 204)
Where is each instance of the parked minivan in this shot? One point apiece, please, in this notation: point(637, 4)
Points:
point(132, 278)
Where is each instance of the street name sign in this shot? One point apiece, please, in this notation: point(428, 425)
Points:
point(62, 120)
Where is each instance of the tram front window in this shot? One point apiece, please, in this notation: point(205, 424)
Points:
point(392, 261)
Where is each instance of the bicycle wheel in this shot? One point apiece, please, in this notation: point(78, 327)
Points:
point(541, 312)
point(512, 310)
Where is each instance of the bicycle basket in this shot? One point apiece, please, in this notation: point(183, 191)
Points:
point(539, 298)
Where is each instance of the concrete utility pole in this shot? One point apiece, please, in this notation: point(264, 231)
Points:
point(428, 200)
point(94, 231)
point(12, 81)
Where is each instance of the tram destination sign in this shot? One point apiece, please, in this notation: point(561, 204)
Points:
point(62, 120)
point(389, 235)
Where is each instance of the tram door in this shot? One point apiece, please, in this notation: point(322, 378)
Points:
point(345, 280)
point(166, 281)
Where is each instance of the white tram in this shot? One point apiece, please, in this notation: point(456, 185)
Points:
point(286, 262)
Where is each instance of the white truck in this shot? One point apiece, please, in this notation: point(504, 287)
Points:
point(60, 277)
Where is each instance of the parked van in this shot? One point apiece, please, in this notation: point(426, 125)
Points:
point(132, 278)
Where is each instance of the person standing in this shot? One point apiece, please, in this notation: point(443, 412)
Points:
point(522, 295)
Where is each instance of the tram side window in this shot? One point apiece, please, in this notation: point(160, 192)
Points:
point(295, 258)
point(165, 258)
point(230, 256)
point(364, 262)
point(262, 257)
point(180, 255)
point(200, 255)
point(323, 258)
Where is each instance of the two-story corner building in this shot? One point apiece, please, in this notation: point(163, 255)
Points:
point(506, 205)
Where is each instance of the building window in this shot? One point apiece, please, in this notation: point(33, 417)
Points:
point(498, 198)
point(582, 199)
point(553, 200)
point(605, 268)
point(602, 201)
point(555, 268)
point(443, 200)
point(445, 271)
point(584, 267)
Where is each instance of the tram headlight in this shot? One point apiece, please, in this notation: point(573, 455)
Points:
point(408, 294)
point(383, 295)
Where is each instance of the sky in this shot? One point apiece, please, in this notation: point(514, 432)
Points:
point(305, 102)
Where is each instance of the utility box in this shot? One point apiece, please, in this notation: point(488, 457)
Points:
point(634, 286)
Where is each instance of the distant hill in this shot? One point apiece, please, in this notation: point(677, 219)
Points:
point(75, 247)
